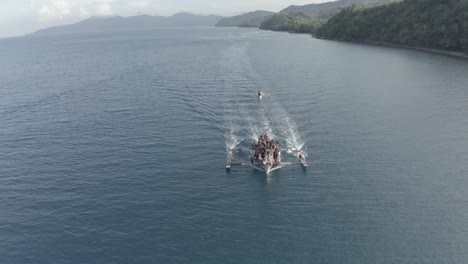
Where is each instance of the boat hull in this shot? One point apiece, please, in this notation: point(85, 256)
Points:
point(266, 167)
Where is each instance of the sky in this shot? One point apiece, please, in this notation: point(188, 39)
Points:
point(19, 17)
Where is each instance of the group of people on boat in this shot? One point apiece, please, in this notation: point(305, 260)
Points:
point(265, 150)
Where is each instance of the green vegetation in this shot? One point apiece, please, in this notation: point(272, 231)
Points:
point(292, 22)
point(306, 19)
point(252, 19)
point(324, 11)
point(437, 24)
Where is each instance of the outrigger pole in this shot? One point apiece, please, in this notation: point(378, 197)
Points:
point(301, 160)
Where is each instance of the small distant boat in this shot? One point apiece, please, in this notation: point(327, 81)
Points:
point(261, 94)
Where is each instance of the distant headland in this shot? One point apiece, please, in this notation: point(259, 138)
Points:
point(435, 26)
point(419, 24)
point(133, 23)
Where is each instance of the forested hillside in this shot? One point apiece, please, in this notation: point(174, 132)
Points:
point(252, 19)
point(306, 19)
point(292, 22)
point(324, 11)
point(438, 24)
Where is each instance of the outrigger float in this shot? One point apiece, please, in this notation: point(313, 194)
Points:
point(265, 155)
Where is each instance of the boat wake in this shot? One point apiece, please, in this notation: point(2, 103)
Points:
point(247, 117)
point(232, 136)
point(277, 167)
point(288, 131)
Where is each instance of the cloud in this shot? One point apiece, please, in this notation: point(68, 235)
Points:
point(138, 4)
point(103, 8)
point(84, 12)
point(54, 10)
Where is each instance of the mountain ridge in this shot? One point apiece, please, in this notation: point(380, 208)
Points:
point(97, 23)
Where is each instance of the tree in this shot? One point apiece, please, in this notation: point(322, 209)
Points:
point(439, 24)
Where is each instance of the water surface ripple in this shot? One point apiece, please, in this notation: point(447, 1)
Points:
point(112, 150)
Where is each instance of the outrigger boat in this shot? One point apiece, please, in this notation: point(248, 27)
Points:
point(265, 155)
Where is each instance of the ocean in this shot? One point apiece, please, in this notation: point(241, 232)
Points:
point(113, 149)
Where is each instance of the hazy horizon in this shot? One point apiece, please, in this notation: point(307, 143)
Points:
point(20, 18)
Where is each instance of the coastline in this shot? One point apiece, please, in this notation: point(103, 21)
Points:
point(456, 54)
point(436, 51)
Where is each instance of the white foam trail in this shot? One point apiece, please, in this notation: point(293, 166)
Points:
point(261, 169)
point(232, 136)
point(249, 119)
point(292, 136)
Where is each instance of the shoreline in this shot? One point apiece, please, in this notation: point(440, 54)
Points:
point(456, 54)
point(435, 51)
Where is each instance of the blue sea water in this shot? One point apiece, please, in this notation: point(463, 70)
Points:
point(113, 150)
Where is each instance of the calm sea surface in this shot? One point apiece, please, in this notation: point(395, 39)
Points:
point(113, 149)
